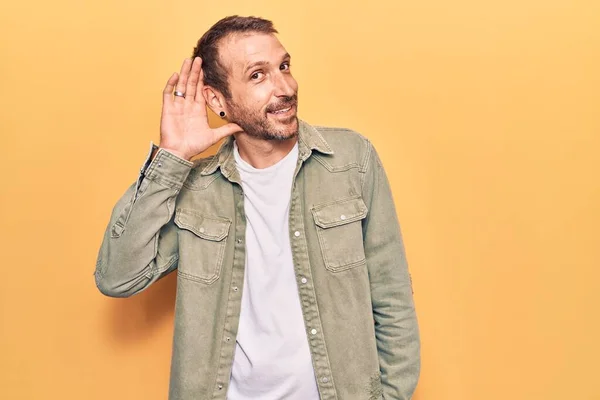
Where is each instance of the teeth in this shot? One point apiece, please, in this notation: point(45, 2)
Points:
point(282, 111)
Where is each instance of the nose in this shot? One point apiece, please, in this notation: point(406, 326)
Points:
point(284, 85)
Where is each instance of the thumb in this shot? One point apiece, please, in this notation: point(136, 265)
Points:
point(227, 130)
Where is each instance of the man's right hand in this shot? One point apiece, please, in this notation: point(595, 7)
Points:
point(184, 129)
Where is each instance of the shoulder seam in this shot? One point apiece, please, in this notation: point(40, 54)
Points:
point(365, 165)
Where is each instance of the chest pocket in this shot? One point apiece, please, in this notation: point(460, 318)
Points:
point(202, 241)
point(339, 230)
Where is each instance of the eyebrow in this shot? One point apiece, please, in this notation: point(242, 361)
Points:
point(260, 63)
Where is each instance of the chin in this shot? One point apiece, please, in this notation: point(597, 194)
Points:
point(289, 133)
point(290, 127)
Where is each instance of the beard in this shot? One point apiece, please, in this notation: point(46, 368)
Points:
point(256, 123)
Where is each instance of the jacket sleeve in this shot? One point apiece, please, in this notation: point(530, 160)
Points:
point(140, 242)
point(396, 328)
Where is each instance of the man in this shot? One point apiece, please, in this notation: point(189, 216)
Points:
point(292, 280)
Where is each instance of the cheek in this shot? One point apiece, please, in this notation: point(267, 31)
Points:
point(250, 104)
point(261, 98)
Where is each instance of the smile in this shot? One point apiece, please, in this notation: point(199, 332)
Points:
point(284, 112)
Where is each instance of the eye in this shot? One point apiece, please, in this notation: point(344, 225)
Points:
point(285, 66)
point(256, 75)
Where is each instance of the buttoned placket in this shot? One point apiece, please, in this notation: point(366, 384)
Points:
point(310, 311)
point(234, 301)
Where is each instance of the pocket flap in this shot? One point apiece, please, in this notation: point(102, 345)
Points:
point(339, 213)
point(206, 227)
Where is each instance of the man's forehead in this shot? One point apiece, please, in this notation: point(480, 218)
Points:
point(241, 49)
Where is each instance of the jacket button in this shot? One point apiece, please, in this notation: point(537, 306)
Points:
point(296, 233)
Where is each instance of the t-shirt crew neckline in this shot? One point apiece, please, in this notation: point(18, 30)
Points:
point(242, 164)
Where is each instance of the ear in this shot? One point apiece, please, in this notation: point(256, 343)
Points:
point(214, 99)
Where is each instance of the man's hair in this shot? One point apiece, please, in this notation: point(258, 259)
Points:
point(207, 48)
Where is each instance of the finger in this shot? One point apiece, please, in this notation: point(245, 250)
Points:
point(183, 77)
point(227, 130)
point(192, 83)
point(168, 91)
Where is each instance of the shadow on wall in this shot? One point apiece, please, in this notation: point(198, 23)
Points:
point(138, 317)
point(416, 395)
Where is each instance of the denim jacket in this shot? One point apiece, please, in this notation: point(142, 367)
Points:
point(348, 255)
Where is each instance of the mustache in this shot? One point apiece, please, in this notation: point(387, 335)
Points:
point(285, 102)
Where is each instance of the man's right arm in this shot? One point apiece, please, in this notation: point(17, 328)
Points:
point(140, 243)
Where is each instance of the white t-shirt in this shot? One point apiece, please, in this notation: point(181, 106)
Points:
point(272, 359)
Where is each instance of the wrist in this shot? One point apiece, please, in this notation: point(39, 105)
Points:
point(176, 153)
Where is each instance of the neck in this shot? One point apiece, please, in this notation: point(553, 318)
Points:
point(262, 153)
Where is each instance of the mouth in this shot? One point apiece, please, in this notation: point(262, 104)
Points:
point(284, 112)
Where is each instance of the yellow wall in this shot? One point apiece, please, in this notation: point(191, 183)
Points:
point(486, 115)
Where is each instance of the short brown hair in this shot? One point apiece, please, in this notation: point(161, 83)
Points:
point(215, 74)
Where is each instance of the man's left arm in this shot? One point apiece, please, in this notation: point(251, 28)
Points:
point(396, 328)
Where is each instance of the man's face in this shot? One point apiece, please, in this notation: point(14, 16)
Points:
point(264, 95)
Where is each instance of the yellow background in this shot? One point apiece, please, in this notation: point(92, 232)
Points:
point(486, 116)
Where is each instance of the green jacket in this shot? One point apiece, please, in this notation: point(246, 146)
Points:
point(348, 254)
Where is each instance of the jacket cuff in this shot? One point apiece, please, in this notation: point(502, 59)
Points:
point(148, 158)
point(166, 168)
